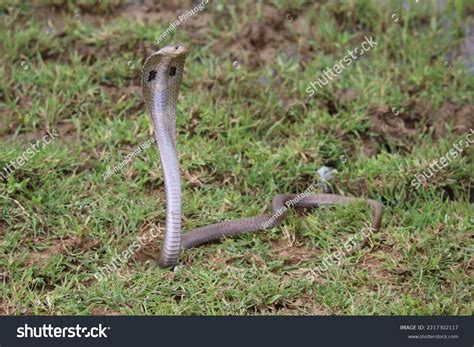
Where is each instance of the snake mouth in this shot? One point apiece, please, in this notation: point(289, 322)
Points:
point(173, 51)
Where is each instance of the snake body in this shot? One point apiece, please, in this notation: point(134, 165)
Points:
point(161, 80)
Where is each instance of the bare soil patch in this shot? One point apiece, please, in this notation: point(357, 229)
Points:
point(460, 117)
point(292, 254)
point(259, 42)
point(402, 128)
point(104, 311)
point(58, 247)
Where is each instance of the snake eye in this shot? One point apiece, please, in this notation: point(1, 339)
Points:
point(173, 71)
point(152, 75)
point(176, 47)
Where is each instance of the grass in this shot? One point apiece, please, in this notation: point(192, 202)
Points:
point(245, 134)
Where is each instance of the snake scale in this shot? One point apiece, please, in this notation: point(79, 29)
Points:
point(161, 80)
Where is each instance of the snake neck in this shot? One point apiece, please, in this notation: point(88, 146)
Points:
point(161, 80)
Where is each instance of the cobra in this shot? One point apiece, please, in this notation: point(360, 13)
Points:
point(161, 80)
